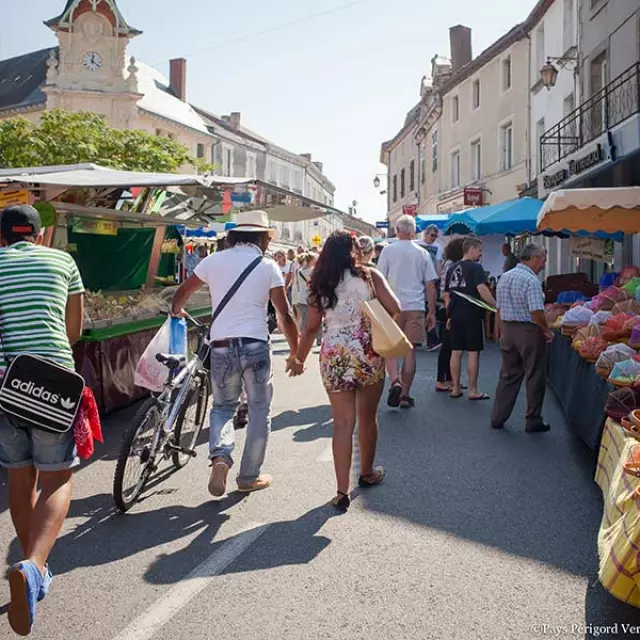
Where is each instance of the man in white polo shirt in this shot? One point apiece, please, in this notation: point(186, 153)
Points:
point(411, 274)
point(240, 346)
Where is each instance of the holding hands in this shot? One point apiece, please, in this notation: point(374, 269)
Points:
point(295, 366)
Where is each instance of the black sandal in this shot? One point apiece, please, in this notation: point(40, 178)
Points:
point(342, 501)
point(371, 480)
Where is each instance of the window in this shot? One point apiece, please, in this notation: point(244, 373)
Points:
point(598, 82)
point(395, 188)
point(423, 163)
point(476, 160)
point(284, 176)
point(412, 176)
point(251, 166)
point(568, 24)
point(213, 154)
point(506, 147)
point(159, 133)
point(402, 183)
point(455, 169)
point(540, 59)
point(475, 94)
point(227, 161)
point(171, 136)
point(273, 172)
point(506, 74)
point(455, 109)
point(434, 151)
point(540, 129)
point(200, 150)
point(296, 179)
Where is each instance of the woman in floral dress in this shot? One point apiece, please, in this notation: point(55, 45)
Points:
point(352, 372)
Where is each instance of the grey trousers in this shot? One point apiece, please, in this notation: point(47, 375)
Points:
point(524, 356)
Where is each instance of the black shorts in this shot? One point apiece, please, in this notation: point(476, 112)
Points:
point(466, 335)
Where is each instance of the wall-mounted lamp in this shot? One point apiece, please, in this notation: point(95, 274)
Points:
point(549, 73)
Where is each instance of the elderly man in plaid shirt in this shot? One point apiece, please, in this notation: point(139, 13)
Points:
point(525, 332)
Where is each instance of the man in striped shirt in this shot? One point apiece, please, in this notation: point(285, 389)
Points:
point(41, 310)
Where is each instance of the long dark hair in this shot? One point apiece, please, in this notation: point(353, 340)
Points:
point(335, 259)
point(453, 251)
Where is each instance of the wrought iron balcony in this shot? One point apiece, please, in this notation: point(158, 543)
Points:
point(607, 108)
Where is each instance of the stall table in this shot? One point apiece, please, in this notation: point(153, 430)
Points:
point(619, 533)
point(582, 393)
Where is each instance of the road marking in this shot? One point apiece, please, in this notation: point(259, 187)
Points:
point(164, 609)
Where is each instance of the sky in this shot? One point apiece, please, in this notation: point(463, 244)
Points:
point(334, 78)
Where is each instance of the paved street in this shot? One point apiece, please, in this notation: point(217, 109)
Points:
point(475, 534)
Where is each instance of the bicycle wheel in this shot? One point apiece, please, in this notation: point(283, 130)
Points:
point(191, 420)
point(135, 459)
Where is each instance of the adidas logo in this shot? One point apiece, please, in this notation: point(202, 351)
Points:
point(40, 393)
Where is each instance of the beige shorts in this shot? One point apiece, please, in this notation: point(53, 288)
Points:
point(412, 324)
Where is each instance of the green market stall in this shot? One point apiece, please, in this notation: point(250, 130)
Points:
point(121, 229)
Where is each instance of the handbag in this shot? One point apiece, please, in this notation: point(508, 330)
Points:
point(388, 340)
point(41, 394)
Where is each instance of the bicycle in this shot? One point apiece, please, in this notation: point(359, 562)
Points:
point(168, 424)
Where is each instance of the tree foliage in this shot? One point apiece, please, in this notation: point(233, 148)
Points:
point(66, 137)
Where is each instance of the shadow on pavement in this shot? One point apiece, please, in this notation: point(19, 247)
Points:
point(530, 495)
point(317, 420)
point(285, 543)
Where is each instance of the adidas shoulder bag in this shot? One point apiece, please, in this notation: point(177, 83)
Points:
point(40, 393)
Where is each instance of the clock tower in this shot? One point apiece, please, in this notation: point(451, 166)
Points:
point(90, 72)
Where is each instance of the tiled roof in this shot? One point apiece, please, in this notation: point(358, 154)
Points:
point(124, 27)
point(159, 99)
point(21, 79)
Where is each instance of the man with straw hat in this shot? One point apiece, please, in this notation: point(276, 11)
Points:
point(240, 345)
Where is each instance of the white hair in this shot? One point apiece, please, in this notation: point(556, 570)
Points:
point(365, 244)
point(406, 224)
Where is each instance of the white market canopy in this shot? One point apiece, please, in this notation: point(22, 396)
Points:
point(194, 198)
point(610, 210)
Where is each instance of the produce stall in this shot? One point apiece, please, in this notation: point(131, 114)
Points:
point(121, 227)
point(605, 333)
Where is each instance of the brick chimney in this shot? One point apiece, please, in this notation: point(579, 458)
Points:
point(460, 41)
point(234, 119)
point(319, 166)
point(178, 78)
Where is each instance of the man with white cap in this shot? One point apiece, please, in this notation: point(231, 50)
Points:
point(240, 346)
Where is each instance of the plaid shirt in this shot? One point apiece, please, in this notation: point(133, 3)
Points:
point(519, 293)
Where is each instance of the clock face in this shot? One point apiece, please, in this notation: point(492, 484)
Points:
point(92, 61)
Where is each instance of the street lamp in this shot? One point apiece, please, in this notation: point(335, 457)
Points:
point(376, 182)
point(549, 73)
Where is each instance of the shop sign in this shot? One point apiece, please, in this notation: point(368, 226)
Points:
point(472, 197)
point(96, 227)
point(575, 167)
point(382, 224)
point(316, 240)
point(589, 248)
point(409, 209)
point(13, 197)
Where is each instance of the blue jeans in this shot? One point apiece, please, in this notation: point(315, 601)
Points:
point(247, 364)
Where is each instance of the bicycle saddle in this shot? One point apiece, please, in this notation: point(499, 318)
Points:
point(170, 361)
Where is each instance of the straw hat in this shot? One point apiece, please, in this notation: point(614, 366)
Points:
point(253, 221)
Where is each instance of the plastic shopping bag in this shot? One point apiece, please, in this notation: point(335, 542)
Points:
point(150, 373)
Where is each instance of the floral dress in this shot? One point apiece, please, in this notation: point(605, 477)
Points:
point(347, 358)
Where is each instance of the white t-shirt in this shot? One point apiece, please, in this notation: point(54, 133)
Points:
point(246, 314)
point(408, 267)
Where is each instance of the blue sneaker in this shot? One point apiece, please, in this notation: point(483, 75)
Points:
point(25, 582)
point(46, 584)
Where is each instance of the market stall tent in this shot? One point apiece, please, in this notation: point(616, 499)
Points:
point(610, 210)
point(438, 219)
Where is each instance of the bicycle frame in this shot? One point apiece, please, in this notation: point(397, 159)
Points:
point(171, 407)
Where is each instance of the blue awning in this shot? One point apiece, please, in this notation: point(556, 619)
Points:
point(439, 219)
point(200, 232)
point(509, 218)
